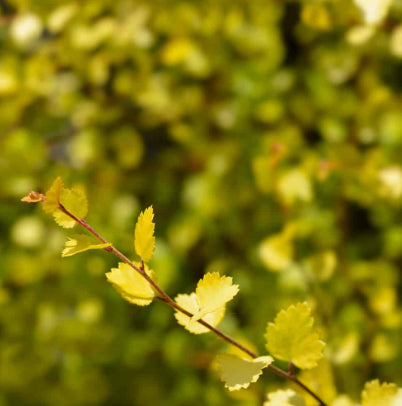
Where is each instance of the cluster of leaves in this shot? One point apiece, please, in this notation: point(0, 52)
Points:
point(290, 338)
point(268, 138)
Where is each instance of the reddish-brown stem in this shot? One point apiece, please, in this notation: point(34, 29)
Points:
point(164, 297)
point(291, 369)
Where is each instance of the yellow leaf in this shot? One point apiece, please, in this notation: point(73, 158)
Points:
point(390, 182)
point(131, 285)
point(63, 220)
point(213, 292)
point(177, 51)
point(276, 252)
point(294, 186)
point(395, 42)
point(375, 394)
point(58, 18)
point(347, 348)
point(53, 196)
point(383, 348)
point(75, 201)
point(397, 401)
point(144, 240)
point(238, 372)
point(322, 380)
point(207, 303)
point(343, 400)
point(292, 338)
point(284, 398)
point(25, 28)
point(263, 173)
point(80, 243)
point(316, 16)
point(360, 34)
point(322, 264)
point(374, 11)
point(190, 303)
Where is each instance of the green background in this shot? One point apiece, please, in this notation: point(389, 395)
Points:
point(267, 135)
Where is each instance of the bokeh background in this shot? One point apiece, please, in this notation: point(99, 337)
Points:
point(268, 137)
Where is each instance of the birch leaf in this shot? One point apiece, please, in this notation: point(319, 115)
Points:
point(213, 292)
point(292, 338)
point(376, 393)
point(131, 285)
point(238, 372)
point(190, 303)
point(75, 201)
point(53, 196)
point(80, 243)
point(144, 240)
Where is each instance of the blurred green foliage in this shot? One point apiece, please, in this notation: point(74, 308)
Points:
point(268, 137)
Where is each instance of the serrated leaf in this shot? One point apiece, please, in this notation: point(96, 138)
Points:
point(80, 243)
point(63, 220)
point(375, 393)
point(213, 292)
point(207, 303)
point(190, 303)
point(53, 196)
point(286, 397)
point(131, 285)
point(238, 372)
point(144, 240)
point(75, 201)
point(292, 338)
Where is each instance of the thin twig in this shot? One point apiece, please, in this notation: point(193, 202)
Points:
point(164, 297)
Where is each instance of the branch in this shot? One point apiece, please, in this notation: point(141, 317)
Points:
point(164, 297)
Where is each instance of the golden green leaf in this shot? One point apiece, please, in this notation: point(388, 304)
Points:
point(190, 303)
point(292, 338)
point(375, 393)
point(276, 252)
point(322, 380)
point(177, 51)
point(286, 397)
point(294, 186)
point(75, 201)
point(53, 196)
point(207, 303)
point(396, 41)
point(63, 220)
point(238, 372)
point(131, 285)
point(316, 16)
point(80, 243)
point(213, 292)
point(144, 240)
